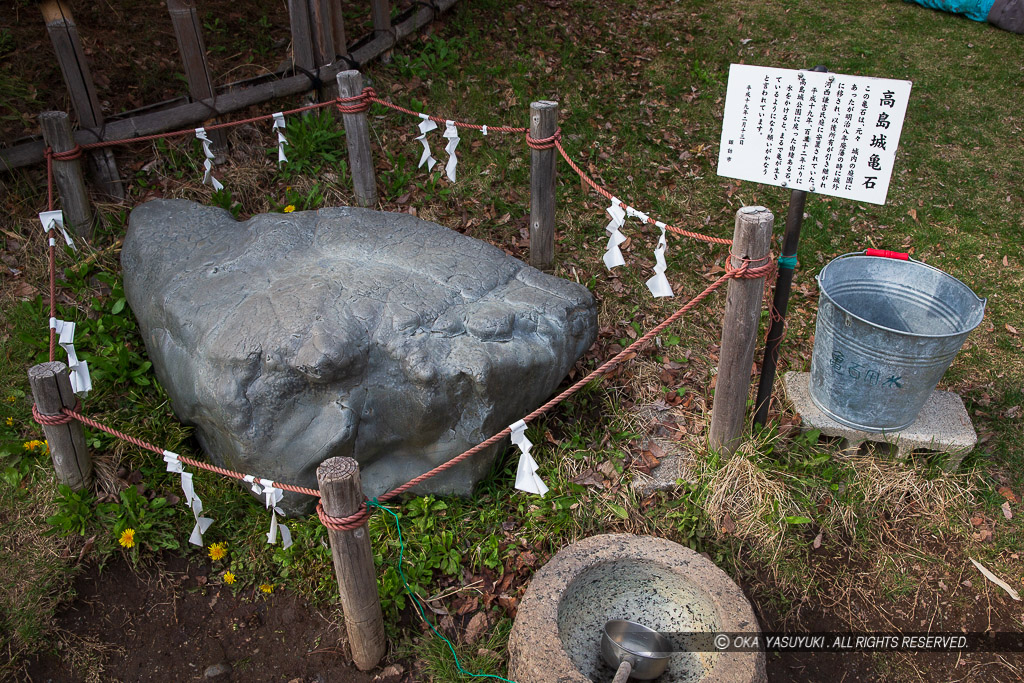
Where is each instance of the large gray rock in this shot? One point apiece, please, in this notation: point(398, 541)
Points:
point(290, 338)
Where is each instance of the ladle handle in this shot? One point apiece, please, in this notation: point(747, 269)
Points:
point(625, 669)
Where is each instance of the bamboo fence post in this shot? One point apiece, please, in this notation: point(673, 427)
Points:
point(51, 391)
point(751, 240)
point(543, 124)
point(357, 137)
point(60, 26)
point(381, 12)
point(68, 175)
point(189, 34)
point(342, 495)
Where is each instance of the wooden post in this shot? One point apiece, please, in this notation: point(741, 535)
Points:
point(342, 495)
point(751, 240)
point(188, 31)
point(543, 124)
point(64, 34)
point(51, 391)
point(357, 135)
point(381, 11)
point(338, 29)
point(302, 35)
point(68, 175)
point(321, 21)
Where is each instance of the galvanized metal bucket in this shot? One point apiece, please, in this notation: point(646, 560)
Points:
point(888, 327)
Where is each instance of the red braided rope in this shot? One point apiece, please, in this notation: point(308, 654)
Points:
point(438, 119)
point(353, 521)
point(356, 104)
point(544, 143)
point(608, 195)
point(53, 420)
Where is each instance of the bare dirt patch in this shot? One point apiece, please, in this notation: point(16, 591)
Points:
point(173, 624)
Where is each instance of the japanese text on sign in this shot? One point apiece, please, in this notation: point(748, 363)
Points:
point(819, 132)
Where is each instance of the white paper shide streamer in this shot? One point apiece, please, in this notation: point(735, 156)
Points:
point(191, 499)
point(612, 254)
point(208, 162)
point(452, 133)
point(527, 478)
point(273, 497)
point(426, 125)
point(55, 220)
point(279, 126)
point(659, 284)
point(78, 370)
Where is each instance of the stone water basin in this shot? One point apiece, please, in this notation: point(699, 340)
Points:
point(651, 581)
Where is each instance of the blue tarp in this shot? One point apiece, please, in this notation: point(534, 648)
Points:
point(972, 9)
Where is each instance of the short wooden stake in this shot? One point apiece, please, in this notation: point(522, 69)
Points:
point(543, 124)
point(67, 45)
point(189, 32)
point(51, 391)
point(68, 175)
point(751, 240)
point(357, 136)
point(342, 495)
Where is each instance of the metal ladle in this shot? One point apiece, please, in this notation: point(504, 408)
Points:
point(635, 650)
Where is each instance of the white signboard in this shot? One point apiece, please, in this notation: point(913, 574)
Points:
point(818, 132)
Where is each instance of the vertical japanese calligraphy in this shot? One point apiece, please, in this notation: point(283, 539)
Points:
point(819, 132)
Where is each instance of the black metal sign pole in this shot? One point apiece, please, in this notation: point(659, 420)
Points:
point(780, 302)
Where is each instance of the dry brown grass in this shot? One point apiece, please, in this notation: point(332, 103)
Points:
point(744, 501)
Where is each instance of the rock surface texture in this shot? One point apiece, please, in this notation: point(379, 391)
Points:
point(290, 338)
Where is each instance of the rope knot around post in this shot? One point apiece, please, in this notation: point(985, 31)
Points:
point(70, 155)
point(353, 521)
point(357, 104)
point(51, 420)
point(750, 268)
point(544, 143)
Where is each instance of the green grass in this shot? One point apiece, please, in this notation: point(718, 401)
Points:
point(641, 88)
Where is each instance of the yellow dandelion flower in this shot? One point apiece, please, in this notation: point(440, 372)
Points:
point(267, 587)
point(229, 578)
point(34, 444)
point(127, 538)
point(10, 422)
point(289, 208)
point(12, 399)
point(218, 551)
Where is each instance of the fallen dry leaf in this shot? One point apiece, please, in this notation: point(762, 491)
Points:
point(728, 525)
point(1006, 510)
point(817, 541)
point(1011, 329)
point(1007, 493)
point(476, 627)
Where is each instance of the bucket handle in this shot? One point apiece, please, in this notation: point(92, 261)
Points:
point(885, 253)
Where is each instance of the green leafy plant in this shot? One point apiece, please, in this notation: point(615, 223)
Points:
point(155, 524)
point(224, 200)
point(437, 56)
point(316, 142)
point(75, 512)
